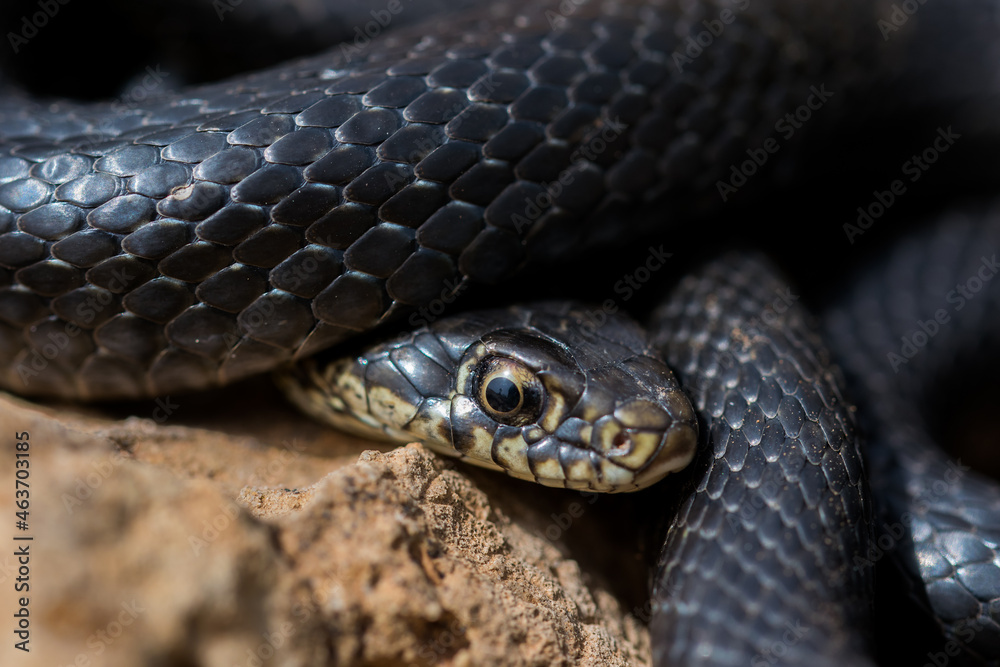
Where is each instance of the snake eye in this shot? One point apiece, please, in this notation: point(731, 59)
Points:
point(508, 392)
point(502, 395)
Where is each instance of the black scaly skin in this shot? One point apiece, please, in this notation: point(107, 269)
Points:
point(759, 562)
point(219, 232)
point(939, 519)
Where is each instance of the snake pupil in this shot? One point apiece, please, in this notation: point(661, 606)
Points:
point(502, 395)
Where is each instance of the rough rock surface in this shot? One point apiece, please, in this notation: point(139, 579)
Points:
point(245, 535)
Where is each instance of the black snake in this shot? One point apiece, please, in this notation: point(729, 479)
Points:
point(206, 235)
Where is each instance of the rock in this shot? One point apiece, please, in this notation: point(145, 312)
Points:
point(216, 538)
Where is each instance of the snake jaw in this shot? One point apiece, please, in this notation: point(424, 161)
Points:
point(676, 450)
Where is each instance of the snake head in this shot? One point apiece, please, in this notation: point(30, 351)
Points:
point(536, 391)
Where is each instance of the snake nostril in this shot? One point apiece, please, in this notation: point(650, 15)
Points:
point(621, 444)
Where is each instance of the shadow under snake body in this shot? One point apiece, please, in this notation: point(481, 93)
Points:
point(231, 228)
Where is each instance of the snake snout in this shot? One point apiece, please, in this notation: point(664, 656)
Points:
point(643, 437)
point(627, 447)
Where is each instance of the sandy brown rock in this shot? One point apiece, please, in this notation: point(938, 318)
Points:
point(267, 540)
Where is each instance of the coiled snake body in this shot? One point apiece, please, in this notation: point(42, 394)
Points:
point(232, 228)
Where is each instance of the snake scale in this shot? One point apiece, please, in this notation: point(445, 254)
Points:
point(228, 229)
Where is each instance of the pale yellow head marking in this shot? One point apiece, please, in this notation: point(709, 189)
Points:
point(512, 454)
point(642, 446)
